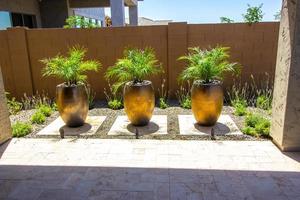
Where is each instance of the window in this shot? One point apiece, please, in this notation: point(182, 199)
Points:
point(5, 21)
point(19, 19)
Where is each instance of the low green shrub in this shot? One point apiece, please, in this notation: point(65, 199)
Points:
point(163, 104)
point(257, 125)
point(33, 101)
point(113, 98)
point(186, 103)
point(184, 96)
point(45, 109)
point(264, 102)
point(240, 107)
point(20, 129)
point(249, 131)
point(163, 95)
point(38, 118)
point(252, 119)
point(13, 105)
point(115, 104)
point(263, 127)
point(91, 97)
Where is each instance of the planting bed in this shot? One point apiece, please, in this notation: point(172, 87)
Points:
point(172, 125)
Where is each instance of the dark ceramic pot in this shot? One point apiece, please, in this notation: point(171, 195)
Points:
point(139, 101)
point(72, 103)
point(207, 102)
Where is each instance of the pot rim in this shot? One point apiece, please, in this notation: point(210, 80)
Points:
point(144, 83)
point(213, 83)
point(64, 85)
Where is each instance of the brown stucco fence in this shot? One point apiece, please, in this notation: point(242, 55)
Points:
point(254, 46)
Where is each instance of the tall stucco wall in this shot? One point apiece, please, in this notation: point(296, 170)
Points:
point(285, 128)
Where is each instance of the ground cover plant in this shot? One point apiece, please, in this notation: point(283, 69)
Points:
point(240, 107)
point(257, 125)
point(20, 129)
point(34, 101)
point(184, 95)
point(13, 105)
point(255, 93)
point(113, 98)
point(163, 96)
point(38, 118)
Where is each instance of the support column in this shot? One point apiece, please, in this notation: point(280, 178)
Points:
point(117, 12)
point(54, 13)
point(5, 129)
point(285, 128)
point(133, 15)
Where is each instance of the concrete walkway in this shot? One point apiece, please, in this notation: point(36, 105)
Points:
point(146, 169)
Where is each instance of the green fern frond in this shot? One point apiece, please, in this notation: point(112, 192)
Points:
point(207, 65)
point(71, 68)
point(136, 65)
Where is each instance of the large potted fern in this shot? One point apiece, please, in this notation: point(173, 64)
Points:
point(206, 68)
point(138, 94)
point(71, 96)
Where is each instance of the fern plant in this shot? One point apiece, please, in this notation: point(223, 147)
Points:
point(71, 69)
point(135, 66)
point(207, 65)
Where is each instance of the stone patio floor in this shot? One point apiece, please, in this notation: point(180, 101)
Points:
point(146, 169)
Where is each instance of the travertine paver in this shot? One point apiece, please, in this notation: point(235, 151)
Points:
point(89, 128)
point(157, 126)
point(224, 126)
point(146, 169)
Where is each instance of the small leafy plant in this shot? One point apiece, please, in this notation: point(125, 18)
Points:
point(71, 69)
point(13, 105)
point(163, 96)
point(34, 101)
point(38, 118)
point(257, 125)
point(135, 66)
point(207, 65)
point(264, 102)
point(114, 98)
point(240, 107)
point(20, 129)
point(184, 96)
point(115, 104)
point(45, 109)
point(91, 96)
point(250, 92)
point(254, 14)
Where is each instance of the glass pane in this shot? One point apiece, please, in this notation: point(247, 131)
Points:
point(5, 21)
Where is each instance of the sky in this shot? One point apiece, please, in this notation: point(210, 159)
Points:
point(204, 11)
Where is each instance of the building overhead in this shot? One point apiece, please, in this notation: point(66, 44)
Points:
point(53, 13)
